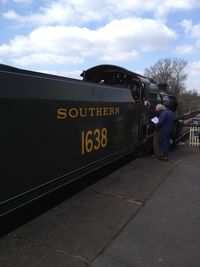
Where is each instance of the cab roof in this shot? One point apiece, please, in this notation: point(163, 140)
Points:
point(99, 72)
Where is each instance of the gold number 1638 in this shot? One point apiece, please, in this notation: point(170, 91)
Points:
point(93, 140)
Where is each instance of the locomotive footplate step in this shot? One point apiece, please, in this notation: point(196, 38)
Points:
point(144, 214)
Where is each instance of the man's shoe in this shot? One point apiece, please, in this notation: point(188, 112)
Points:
point(163, 158)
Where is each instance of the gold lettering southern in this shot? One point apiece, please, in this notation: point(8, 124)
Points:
point(73, 112)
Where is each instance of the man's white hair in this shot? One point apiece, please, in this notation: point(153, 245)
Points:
point(159, 107)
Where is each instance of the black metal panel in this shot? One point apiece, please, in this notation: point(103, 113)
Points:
point(21, 86)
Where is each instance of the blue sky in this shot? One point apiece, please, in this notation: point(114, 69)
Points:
point(65, 37)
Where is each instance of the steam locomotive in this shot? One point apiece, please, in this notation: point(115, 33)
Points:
point(54, 129)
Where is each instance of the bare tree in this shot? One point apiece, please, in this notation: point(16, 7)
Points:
point(169, 71)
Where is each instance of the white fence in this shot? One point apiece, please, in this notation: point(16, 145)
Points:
point(194, 139)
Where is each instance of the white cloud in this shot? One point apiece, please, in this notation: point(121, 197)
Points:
point(168, 6)
point(23, 1)
point(193, 70)
point(46, 59)
point(70, 74)
point(16, 1)
point(77, 12)
point(12, 15)
point(187, 25)
point(195, 32)
point(56, 13)
point(185, 50)
point(119, 40)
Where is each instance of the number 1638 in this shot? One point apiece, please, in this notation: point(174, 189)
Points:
point(93, 140)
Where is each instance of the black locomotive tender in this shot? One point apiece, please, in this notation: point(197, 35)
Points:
point(54, 129)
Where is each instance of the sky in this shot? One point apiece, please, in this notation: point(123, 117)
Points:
point(65, 37)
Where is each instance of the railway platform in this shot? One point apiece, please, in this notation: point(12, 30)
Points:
point(145, 214)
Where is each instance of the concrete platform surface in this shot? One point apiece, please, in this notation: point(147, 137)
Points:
point(146, 214)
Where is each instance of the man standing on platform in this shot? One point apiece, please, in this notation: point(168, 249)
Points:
point(165, 126)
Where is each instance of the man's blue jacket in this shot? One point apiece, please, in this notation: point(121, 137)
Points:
point(166, 122)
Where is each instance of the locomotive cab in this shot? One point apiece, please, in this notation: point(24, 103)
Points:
point(118, 77)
